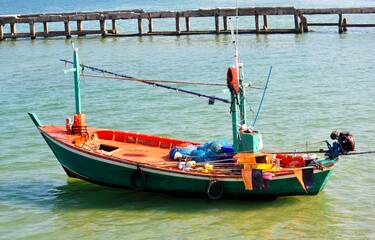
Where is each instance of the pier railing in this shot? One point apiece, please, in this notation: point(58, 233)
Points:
point(260, 14)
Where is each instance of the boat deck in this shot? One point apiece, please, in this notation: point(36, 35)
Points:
point(154, 150)
point(137, 152)
point(135, 147)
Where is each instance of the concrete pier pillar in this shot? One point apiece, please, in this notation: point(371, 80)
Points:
point(32, 30)
point(344, 23)
point(13, 30)
point(178, 25)
point(257, 25)
point(225, 23)
point(45, 27)
point(296, 25)
point(103, 29)
point(67, 29)
point(217, 24)
point(340, 23)
point(187, 21)
point(114, 27)
point(150, 25)
point(1, 32)
point(265, 22)
point(140, 26)
point(79, 28)
point(305, 24)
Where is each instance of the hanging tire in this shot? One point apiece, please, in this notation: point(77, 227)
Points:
point(220, 187)
point(138, 173)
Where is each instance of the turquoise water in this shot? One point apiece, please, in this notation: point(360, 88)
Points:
point(321, 81)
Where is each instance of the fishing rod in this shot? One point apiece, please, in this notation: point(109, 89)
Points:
point(211, 98)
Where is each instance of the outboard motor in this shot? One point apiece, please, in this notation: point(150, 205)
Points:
point(345, 140)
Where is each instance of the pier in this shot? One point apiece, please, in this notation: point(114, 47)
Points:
point(107, 21)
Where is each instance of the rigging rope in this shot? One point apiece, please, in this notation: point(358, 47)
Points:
point(156, 81)
point(295, 146)
point(150, 82)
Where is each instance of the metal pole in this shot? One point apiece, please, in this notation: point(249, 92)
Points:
point(242, 98)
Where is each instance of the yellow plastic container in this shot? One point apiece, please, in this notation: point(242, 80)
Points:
point(200, 169)
point(208, 166)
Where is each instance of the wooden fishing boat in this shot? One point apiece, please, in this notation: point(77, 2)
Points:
point(144, 162)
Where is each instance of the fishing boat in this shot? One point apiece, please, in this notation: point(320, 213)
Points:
point(216, 169)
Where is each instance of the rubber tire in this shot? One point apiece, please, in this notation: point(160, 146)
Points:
point(134, 176)
point(221, 188)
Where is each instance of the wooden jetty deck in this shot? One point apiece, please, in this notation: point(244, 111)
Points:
point(260, 14)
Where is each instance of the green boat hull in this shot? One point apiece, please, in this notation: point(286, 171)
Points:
point(106, 171)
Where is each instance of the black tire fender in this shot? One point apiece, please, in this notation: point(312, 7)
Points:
point(219, 185)
point(133, 177)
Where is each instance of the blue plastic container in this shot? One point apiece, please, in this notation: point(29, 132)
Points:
point(228, 148)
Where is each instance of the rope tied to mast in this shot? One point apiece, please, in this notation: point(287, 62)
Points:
point(152, 82)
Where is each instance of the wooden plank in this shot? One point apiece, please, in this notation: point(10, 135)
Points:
point(310, 11)
point(161, 14)
point(240, 31)
point(359, 25)
point(323, 24)
point(85, 17)
point(203, 12)
point(8, 19)
point(127, 15)
point(63, 33)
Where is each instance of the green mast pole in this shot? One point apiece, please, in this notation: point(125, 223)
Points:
point(234, 124)
point(76, 81)
point(76, 68)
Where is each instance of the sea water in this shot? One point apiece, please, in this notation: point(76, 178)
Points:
point(321, 81)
